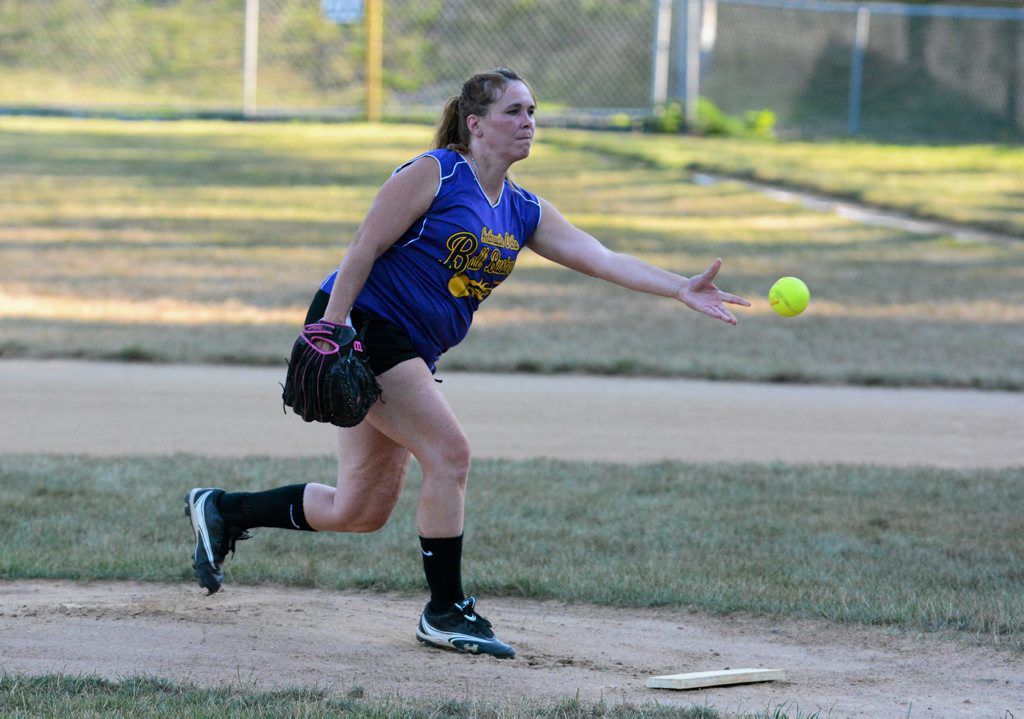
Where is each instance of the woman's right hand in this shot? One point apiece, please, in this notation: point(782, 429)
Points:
point(700, 293)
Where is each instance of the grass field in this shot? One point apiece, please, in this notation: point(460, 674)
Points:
point(63, 697)
point(143, 697)
point(915, 549)
point(203, 242)
point(975, 185)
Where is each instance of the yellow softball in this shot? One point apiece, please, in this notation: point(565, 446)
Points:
point(789, 296)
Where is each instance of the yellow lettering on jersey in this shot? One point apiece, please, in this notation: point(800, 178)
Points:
point(500, 265)
point(460, 247)
point(476, 262)
point(507, 240)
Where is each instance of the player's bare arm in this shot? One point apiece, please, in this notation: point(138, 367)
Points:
point(400, 201)
point(560, 241)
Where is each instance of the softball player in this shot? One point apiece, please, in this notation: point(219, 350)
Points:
point(442, 233)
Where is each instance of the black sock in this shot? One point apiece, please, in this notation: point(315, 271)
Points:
point(281, 507)
point(442, 563)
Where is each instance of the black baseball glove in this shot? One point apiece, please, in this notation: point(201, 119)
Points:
point(332, 383)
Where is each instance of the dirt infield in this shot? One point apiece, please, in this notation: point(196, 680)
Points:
point(117, 409)
point(268, 637)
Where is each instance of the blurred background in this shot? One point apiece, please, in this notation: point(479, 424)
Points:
point(908, 72)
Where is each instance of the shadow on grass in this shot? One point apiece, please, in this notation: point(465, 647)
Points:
point(197, 160)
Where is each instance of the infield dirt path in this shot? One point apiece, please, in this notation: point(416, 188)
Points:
point(282, 637)
point(117, 409)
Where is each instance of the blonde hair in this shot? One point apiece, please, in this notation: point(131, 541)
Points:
point(478, 94)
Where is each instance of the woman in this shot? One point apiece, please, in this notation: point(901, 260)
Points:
point(442, 233)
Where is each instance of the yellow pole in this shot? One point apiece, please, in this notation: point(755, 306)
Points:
point(374, 10)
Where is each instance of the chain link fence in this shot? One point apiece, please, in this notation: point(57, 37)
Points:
point(580, 56)
point(187, 55)
point(886, 71)
point(919, 76)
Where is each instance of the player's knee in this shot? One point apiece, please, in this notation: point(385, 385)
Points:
point(448, 466)
point(455, 457)
point(361, 523)
point(365, 525)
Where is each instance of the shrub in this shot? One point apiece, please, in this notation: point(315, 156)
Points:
point(711, 121)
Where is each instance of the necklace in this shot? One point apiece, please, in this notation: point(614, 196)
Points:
point(476, 170)
point(479, 181)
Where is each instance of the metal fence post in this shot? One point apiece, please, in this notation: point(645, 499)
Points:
point(693, 32)
point(860, 44)
point(659, 61)
point(250, 57)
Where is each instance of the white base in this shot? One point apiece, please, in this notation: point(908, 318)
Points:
point(696, 680)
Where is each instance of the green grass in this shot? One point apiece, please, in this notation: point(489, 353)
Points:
point(142, 697)
point(917, 549)
point(199, 241)
point(976, 185)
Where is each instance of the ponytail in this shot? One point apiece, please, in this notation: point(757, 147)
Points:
point(448, 133)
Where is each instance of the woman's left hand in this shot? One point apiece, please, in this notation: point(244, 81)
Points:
point(699, 293)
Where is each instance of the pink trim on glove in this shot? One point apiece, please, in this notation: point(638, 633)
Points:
point(322, 331)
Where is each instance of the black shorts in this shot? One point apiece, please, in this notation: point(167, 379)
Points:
point(385, 344)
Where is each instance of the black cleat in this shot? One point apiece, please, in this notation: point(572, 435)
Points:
point(462, 629)
point(213, 539)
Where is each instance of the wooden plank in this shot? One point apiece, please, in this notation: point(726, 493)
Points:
point(696, 680)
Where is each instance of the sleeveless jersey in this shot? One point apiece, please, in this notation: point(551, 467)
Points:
point(431, 281)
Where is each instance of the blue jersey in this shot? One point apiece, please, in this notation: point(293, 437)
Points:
point(431, 281)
